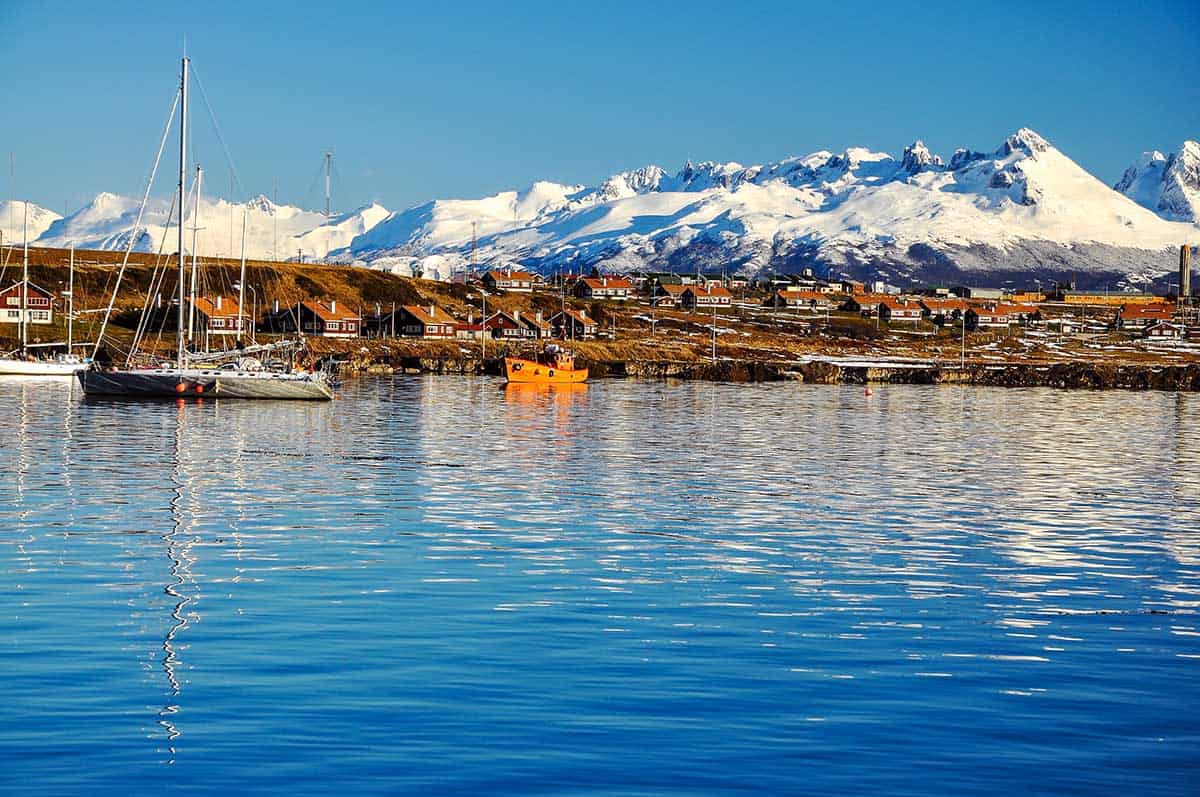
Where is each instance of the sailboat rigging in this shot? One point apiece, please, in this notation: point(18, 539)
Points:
point(24, 363)
point(199, 373)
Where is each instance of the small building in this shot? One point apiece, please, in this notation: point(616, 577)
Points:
point(1000, 316)
point(967, 292)
point(865, 303)
point(39, 304)
point(470, 330)
point(813, 301)
point(853, 287)
point(943, 311)
point(218, 315)
point(669, 295)
point(1106, 299)
point(512, 280)
point(504, 326)
point(603, 287)
point(571, 324)
point(1165, 330)
point(897, 310)
point(1019, 313)
point(698, 297)
point(733, 281)
point(422, 321)
point(1137, 317)
point(322, 318)
point(535, 322)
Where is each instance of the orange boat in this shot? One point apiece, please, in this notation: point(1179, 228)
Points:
point(555, 366)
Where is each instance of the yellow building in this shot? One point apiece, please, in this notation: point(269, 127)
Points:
point(1109, 299)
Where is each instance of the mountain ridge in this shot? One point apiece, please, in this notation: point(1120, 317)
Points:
point(1023, 211)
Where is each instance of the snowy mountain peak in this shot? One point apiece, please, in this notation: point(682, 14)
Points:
point(262, 204)
point(12, 221)
point(1024, 140)
point(1167, 184)
point(917, 158)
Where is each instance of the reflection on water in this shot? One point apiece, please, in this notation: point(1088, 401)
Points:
point(443, 584)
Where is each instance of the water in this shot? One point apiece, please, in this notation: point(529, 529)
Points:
point(437, 585)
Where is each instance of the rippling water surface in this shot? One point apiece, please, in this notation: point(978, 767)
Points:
point(440, 585)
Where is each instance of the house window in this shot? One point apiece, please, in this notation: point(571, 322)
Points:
point(13, 300)
point(218, 323)
point(38, 301)
point(14, 313)
point(331, 326)
point(40, 315)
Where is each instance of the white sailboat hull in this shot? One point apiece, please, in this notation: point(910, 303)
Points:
point(11, 367)
point(205, 382)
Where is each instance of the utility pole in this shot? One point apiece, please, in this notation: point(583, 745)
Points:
point(328, 182)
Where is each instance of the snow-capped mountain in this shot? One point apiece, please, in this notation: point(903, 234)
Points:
point(1022, 211)
point(12, 221)
point(1167, 184)
point(279, 231)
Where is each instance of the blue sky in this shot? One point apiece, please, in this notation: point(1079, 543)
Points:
point(465, 99)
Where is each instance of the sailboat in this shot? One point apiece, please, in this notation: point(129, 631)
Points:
point(24, 363)
point(196, 374)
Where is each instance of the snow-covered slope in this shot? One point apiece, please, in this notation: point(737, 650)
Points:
point(12, 221)
point(1022, 211)
point(272, 230)
point(1167, 184)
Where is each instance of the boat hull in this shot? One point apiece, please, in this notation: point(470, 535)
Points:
point(531, 372)
point(10, 367)
point(171, 383)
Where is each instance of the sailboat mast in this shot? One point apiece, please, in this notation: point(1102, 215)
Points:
point(25, 281)
point(191, 330)
point(71, 300)
point(183, 111)
point(242, 280)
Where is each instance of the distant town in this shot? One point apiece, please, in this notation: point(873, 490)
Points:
point(618, 318)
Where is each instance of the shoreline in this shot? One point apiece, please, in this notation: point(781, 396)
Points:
point(1067, 375)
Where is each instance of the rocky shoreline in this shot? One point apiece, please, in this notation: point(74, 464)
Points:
point(1065, 375)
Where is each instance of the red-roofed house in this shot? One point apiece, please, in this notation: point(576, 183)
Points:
point(508, 279)
point(809, 300)
point(696, 297)
point(38, 305)
point(1165, 330)
point(669, 295)
point(327, 318)
point(944, 311)
point(422, 321)
point(1137, 317)
point(892, 309)
point(574, 324)
point(603, 287)
point(218, 315)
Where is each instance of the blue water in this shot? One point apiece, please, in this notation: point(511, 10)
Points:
point(436, 585)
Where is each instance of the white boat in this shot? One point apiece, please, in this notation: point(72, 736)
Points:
point(186, 376)
point(62, 365)
point(22, 362)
